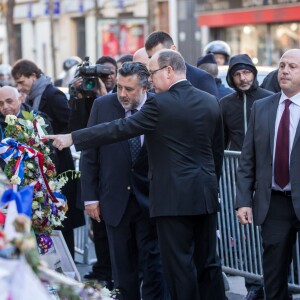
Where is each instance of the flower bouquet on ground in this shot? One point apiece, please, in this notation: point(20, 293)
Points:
point(28, 162)
point(23, 275)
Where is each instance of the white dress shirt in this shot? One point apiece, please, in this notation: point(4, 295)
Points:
point(294, 120)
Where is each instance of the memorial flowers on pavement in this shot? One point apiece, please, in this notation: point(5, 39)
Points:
point(28, 161)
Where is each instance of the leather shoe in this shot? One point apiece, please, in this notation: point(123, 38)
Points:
point(254, 295)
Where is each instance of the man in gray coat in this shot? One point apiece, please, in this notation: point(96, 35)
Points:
point(268, 185)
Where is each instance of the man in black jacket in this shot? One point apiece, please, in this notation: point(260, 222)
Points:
point(114, 182)
point(200, 79)
point(185, 148)
point(236, 107)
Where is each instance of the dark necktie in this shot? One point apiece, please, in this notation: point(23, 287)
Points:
point(134, 144)
point(281, 167)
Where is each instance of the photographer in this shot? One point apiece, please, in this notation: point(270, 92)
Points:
point(89, 83)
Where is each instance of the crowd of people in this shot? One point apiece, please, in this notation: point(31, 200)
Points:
point(152, 135)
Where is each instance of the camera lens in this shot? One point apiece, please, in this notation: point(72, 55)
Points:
point(90, 84)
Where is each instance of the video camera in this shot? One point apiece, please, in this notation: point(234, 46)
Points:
point(90, 74)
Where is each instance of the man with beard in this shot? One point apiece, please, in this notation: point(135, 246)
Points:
point(115, 188)
point(236, 108)
point(185, 148)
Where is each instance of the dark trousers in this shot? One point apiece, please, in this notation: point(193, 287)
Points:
point(279, 232)
point(103, 265)
point(190, 261)
point(132, 243)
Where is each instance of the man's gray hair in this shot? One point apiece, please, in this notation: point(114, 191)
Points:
point(173, 59)
point(136, 68)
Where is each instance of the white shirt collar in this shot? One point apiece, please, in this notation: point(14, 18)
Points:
point(295, 99)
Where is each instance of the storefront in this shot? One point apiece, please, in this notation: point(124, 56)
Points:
point(262, 28)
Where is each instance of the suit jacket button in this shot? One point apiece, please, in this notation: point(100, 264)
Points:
point(132, 170)
point(128, 188)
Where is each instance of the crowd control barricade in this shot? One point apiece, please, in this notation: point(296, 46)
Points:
point(239, 246)
point(81, 237)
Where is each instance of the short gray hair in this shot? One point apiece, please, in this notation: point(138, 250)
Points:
point(136, 68)
point(173, 59)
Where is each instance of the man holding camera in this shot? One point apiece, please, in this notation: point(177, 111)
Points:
point(90, 83)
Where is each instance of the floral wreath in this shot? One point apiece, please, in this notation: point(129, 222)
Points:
point(28, 162)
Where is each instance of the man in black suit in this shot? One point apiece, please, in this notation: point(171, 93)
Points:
point(268, 175)
point(200, 79)
point(118, 182)
point(184, 137)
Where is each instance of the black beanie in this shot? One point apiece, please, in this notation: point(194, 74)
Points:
point(238, 67)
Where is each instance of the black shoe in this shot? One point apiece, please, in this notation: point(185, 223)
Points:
point(254, 295)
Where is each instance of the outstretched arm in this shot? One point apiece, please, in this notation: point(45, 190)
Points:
point(61, 141)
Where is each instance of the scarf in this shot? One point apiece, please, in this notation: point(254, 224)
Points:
point(37, 89)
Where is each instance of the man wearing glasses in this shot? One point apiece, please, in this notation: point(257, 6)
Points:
point(184, 140)
point(236, 107)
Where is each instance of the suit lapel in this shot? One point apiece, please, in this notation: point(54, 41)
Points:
point(272, 119)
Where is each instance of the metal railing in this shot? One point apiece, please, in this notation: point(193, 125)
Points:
point(239, 246)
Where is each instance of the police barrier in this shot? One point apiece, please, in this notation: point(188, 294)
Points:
point(239, 245)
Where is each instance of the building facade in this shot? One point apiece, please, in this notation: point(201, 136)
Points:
point(262, 28)
point(49, 31)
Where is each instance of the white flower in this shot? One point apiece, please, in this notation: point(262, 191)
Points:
point(35, 205)
point(105, 293)
point(10, 119)
point(52, 185)
point(40, 120)
point(15, 179)
point(54, 221)
point(29, 124)
point(62, 215)
point(39, 214)
point(30, 166)
point(39, 194)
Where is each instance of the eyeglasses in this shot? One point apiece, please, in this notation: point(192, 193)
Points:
point(239, 74)
point(154, 71)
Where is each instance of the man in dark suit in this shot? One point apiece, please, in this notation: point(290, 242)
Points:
point(200, 79)
point(268, 175)
point(183, 135)
point(118, 182)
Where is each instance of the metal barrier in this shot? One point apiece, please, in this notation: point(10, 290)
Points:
point(239, 246)
point(81, 238)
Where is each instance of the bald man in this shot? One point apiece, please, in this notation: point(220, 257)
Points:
point(141, 55)
point(268, 189)
point(10, 102)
